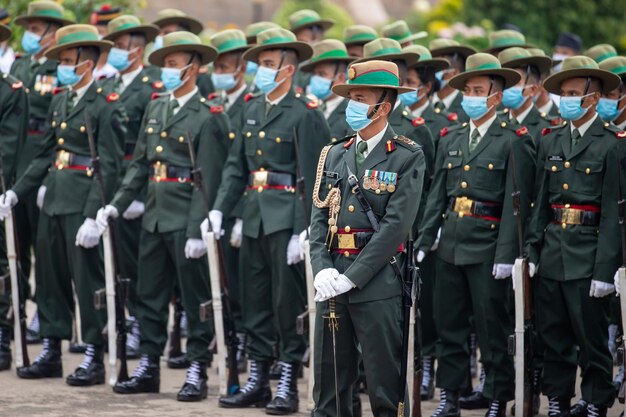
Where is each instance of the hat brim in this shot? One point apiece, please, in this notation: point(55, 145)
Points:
point(510, 77)
point(5, 33)
point(409, 58)
point(303, 50)
point(343, 89)
point(235, 49)
point(437, 64)
point(415, 36)
point(310, 66)
point(495, 51)
point(543, 63)
point(195, 26)
point(325, 24)
point(149, 31)
point(24, 19)
point(464, 51)
point(610, 81)
point(207, 53)
point(53, 53)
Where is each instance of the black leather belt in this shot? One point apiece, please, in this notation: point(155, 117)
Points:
point(37, 125)
point(163, 172)
point(464, 206)
point(69, 160)
point(270, 179)
point(575, 215)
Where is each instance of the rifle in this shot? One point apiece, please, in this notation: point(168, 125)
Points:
point(225, 332)
point(409, 293)
point(416, 341)
point(116, 286)
point(175, 349)
point(15, 272)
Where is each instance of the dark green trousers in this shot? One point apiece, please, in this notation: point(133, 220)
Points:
point(62, 262)
point(569, 318)
point(460, 291)
point(162, 263)
point(274, 295)
point(231, 257)
point(429, 331)
point(375, 327)
point(128, 232)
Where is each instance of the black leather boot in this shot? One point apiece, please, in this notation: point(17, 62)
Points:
point(242, 362)
point(448, 404)
point(195, 386)
point(178, 362)
point(256, 392)
point(476, 400)
point(286, 400)
point(5, 349)
point(579, 409)
point(276, 370)
point(134, 337)
point(428, 378)
point(558, 407)
point(48, 364)
point(90, 371)
point(596, 411)
point(76, 347)
point(496, 409)
point(146, 377)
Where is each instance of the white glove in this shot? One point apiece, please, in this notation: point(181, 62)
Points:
point(195, 248)
point(235, 234)
point(616, 281)
point(294, 253)
point(88, 235)
point(324, 284)
point(532, 269)
point(436, 244)
point(304, 235)
point(420, 256)
point(343, 284)
point(102, 218)
point(135, 210)
point(215, 217)
point(41, 195)
point(7, 202)
point(600, 289)
point(501, 271)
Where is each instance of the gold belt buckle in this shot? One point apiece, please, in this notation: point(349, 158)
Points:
point(62, 159)
point(463, 206)
point(346, 241)
point(160, 171)
point(571, 216)
point(259, 179)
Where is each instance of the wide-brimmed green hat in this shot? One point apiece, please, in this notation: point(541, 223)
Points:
point(483, 64)
point(182, 42)
point(502, 39)
point(358, 35)
point(5, 33)
point(47, 10)
point(174, 16)
point(73, 36)
point(389, 50)
point(540, 53)
point(230, 40)
point(601, 52)
point(616, 65)
point(329, 50)
point(399, 31)
point(130, 24)
point(446, 47)
point(254, 29)
point(372, 74)
point(278, 39)
point(306, 18)
point(581, 67)
point(426, 59)
point(521, 58)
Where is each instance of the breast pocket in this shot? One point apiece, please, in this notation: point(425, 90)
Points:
point(490, 174)
point(590, 175)
point(250, 140)
point(452, 165)
point(278, 146)
point(554, 171)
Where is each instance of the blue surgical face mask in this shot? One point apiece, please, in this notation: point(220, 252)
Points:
point(513, 98)
point(67, 74)
point(558, 57)
point(265, 79)
point(251, 68)
point(118, 58)
point(439, 75)
point(320, 86)
point(608, 109)
point(408, 99)
point(356, 115)
point(30, 42)
point(158, 43)
point(571, 107)
point(171, 78)
point(224, 82)
point(475, 106)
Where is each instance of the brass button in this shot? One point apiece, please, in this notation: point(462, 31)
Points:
point(449, 165)
point(503, 124)
point(567, 164)
point(145, 79)
point(278, 140)
point(261, 169)
point(158, 179)
point(60, 166)
point(493, 226)
point(150, 130)
point(461, 214)
point(54, 123)
point(563, 226)
point(566, 186)
point(202, 100)
point(351, 208)
point(61, 141)
point(99, 90)
point(347, 229)
point(567, 206)
point(181, 139)
point(259, 152)
point(405, 113)
point(490, 167)
point(532, 204)
point(333, 140)
point(553, 168)
point(164, 134)
point(90, 172)
point(260, 189)
point(231, 135)
point(261, 134)
point(346, 254)
point(463, 184)
point(63, 125)
point(329, 186)
point(377, 191)
point(248, 134)
point(82, 129)
point(159, 148)
point(466, 168)
point(587, 171)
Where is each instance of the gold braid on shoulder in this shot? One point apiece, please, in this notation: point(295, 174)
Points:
point(332, 201)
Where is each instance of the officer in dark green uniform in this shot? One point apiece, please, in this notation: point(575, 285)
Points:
point(351, 261)
point(171, 251)
point(356, 36)
point(448, 98)
point(546, 107)
point(263, 163)
point(13, 126)
point(328, 66)
point(470, 200)
point(39, 76)
point(68, 238)
point(574, 240)
point(399, 31)
point(135, 88)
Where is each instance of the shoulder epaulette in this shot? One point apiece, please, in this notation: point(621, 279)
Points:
point(555, 121)
point(406, 142)
point(349, 142)
point(311, 102)
point(448, 129)
point(614, 129)
point(157, 95)
point(250, 96)
point(547, 130)
point(212, 96)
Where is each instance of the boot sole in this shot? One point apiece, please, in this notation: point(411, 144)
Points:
point(124, 391)
point(192, 399)
point(280, 412)
point(31, 376)
point(260, 404)
point(80, 383)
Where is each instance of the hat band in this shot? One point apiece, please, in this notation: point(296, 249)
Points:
point(231, 44)
point(605, 56)
point(277, 39)
point(47, 13)
point(376, 77)
point(507, 42)
point(387, 51)
point(424, 57)
point(305, 20)
point(182, 42)
point(619, 70)
point(334, 53)
point(78, 37)
point(125, 26)
point(360, 37)
point(401, 36)
point(486, 66)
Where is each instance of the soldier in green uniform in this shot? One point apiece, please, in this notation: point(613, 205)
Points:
point(39, 76)
point(251, 31)
point(611, 105)
point(601, 52)
point(13, 126)
point(171, 251)
point(350, 260)
point(573, 239)
point(328, 67)
point(546, 107)
point(399, 31)
point(68, 238)
point(448, 98)
point(470, 200)
point(135, 89)
point(356, 36)
point(100, 18)
point(263, 163)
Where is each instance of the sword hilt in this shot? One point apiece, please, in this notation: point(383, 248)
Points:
point(333, 318)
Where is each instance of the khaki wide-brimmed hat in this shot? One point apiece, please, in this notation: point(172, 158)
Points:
point(130, 24)
point(73, 36)
point(47, 10)
point(541, 53)
point(616, 65)
point(358, 35)
point(483, 64)
point(445, 47)
point(174, 16)
point(306, 18)
point(389, 50)
point(581, 67)
point(426, 59)
point(230, 40)
point(278, 39)
point(329, 50)
point(601, 52)
point(521, 58)
point(502, 39)
point(182, 42)
point(254, 29)
point(372, 74)
point(5, 33)
point(399, 31)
